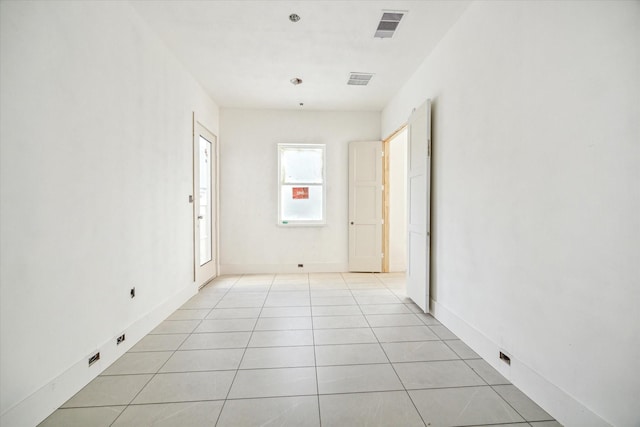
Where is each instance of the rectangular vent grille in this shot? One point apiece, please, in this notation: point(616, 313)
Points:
point(359, 79)
point(388, 24)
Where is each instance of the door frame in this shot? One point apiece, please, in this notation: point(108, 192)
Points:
point(386, 225)
point(198, 129)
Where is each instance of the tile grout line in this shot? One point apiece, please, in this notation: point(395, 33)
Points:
point(244, 352)
point(315, 359)
point(391, 364)
point(172, 353)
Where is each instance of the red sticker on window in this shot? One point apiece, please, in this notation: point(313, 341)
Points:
point(300, 192)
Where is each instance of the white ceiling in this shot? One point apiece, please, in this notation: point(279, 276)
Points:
point(245, 52)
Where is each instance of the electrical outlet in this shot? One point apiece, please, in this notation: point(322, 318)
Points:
point(506, 359)
point(120, 339)
point(93, 359)
point(300, 265)
point(133, 292)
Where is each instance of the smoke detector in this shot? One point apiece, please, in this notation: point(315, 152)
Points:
point(294, 17)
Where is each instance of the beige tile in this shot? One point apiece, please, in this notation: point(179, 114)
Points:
point(109, 391)
point(159, 342)
point(332, 322)
point(344, 336)
point(393, 408)
point(404, 334)
point(281, 338)
point(380, 320)
point(216, 340)
point(336, 310)
point(278, 357)
point(283, 323)
point(443, 333)
point(357, 378)
point(189, 314)
point(138, 363)
point(234, 313)
point(455, 373)
point(176, 327)
point(286, 312)
point(418, 351)
point(203, 360)
point(523, 404)
point(171, 414)
point(349, 354)
point(226, 325)
point(298, 411)
point(462, 406)
point(274, 382)
point(83, 417)
point(462, 350)
point(486, 371)
point(187, 386)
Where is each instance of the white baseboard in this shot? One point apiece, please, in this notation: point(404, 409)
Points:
point(397, 268)
point(39, 405)
point(283, 268)
point(559, 404)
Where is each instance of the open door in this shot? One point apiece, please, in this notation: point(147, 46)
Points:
point(418, 205)
point(204, 204)
point(365, 206)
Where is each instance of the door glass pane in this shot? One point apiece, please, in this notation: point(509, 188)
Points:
point(301, 165)
point(204, 211)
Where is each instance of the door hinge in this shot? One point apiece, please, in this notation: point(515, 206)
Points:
point(382, 186)
point(429, 148)
point(382, 221)
point(382, 255)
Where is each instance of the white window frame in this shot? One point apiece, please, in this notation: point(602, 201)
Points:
point(281, 182)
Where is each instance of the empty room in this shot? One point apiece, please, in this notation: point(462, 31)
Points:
point(319, 213)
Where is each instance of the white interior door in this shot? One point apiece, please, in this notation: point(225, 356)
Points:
point(418, 205)
point(365, 206)
point(204, 206)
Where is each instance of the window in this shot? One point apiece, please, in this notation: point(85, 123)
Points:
point(301, 189)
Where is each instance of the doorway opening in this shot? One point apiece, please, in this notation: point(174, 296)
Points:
point(395, 202)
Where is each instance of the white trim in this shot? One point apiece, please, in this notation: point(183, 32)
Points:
point(558, 403)
point(39, 405)
point(283, 268)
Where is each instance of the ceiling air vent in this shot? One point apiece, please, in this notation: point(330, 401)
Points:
point(388, 24)
point(359, 79)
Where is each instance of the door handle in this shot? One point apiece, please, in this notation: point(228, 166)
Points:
point(200, 217)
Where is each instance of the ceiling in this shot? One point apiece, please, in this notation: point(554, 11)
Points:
point(244, 53)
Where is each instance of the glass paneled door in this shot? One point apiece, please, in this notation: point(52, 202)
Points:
point(204, 242)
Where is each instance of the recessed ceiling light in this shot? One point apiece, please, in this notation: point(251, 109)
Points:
point(294, 17)
point(296, 81)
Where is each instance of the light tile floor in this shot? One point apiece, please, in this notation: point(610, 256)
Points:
point(300, 350)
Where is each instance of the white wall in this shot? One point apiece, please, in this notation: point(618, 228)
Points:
point(250, 240)
point(95, 176)
point(536, 214)
point(398, 202)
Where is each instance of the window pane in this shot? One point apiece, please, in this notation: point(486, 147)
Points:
point(204, 210)
point(301, 202)
point(301, 165)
